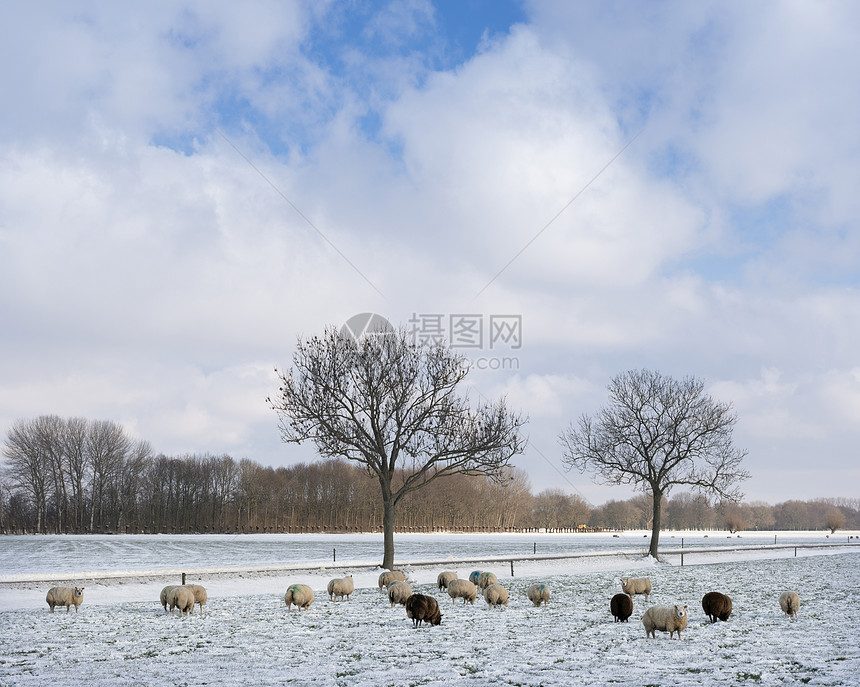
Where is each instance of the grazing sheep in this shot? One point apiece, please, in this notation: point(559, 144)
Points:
point(389, 576)
point(421, 607)
point(538, 594)
point(200, 595)
point(473, 577)
point(65, 596)
point(299, 594)
point(485, 579)
point(445, 578)
point(181, 598)
point(462, 589)
point(496, 595)
point(398, 592)
point(717, 605)
point(621, 606)
point(669, 619)
point(789, 602)
point(636, 585)
point(341, 587)
point(165, 594)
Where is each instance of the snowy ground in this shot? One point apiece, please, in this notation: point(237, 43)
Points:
point(122, 635)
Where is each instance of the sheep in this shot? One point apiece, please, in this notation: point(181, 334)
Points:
point(462, 589)
point(473, 577)
point(200, 595)
point(421, 607)
point(398, 592)
point(636, 585)
point(621, 606)
point(538, 594)
point(485, 579)
point(299, 594)
point(165, 594)
point(445, 578)
point(389, 576)
point(181, 598)
point(789, 602)
point(669, 619)
point(717, 605)
point(496, 595)
point(341, 587)
point(65, 596)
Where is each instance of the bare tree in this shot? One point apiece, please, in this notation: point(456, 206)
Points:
point(834, 520)
point(657, 433)
point(28, 466)
point(392, 406)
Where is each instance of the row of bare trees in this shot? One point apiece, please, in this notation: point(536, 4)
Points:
point(76, 475)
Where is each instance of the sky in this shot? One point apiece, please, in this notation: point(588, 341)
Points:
point(562, 191)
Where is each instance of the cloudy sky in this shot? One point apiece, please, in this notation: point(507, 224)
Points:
point(187, 187)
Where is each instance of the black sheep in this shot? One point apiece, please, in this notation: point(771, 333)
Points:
point(621, 607)
point(716, 605)
point(421, 607)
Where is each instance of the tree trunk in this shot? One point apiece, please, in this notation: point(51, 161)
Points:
point(655, 522)
point(388, 531)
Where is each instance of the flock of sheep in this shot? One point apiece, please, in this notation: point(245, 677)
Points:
point(421, 608)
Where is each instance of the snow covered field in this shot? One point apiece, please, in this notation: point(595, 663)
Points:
point(122, 635)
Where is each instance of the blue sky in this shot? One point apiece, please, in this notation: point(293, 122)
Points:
point(187, 187)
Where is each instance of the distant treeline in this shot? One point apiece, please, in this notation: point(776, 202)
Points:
point(74, 476)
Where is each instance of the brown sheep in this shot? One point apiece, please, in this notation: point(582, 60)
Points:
point(716, 605)
point(621, 606)
point(421, 607)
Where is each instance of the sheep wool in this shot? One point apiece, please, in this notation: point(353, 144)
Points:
point(200, 595)
point(636, 585)
point(621, 606)
point(65, 596)
point(496, 595)
point(445, 578)
point(165, 595)
point(299, 594)
point(462, 589)
point(485, 579)
point(789, 602)
point(538, 594)
point(389, 576)
point(398, 592)
point(181, 598)
point(473, 576)
point(669, 619)
point(341, 587)
point(717, 605)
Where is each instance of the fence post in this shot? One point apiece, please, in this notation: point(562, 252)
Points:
point(795, 552)
point(334, 555)
point(183, 579)
point(512, 568)
point(534, 551)
point(682, 559)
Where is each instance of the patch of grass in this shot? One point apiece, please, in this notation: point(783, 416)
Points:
point(756, 677)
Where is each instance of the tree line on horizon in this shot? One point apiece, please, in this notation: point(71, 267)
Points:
point(72, 475)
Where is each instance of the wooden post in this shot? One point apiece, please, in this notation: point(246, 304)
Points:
point(535, 548)
point(682, 559)
point(512, 568)
point(334, 555)
point(795, 552)
point(183, 579)
point(682, 542)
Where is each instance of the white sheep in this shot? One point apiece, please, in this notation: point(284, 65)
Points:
point(789, 602)
point(181, 598)
point(473, 576)
point(299, 594)
point(341, 587)
point(165, 595)
point(445, 578)
point(389, 576)
point(669, 619)
point(636, 585)
point(65, 596)
point(462, 589)
point(200, 595)
point(496, 595)
point(485, 579)
point(538, 594)
point(398, 592)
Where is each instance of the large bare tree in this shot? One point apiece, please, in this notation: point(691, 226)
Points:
point(658, 432)
point(392, 405)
